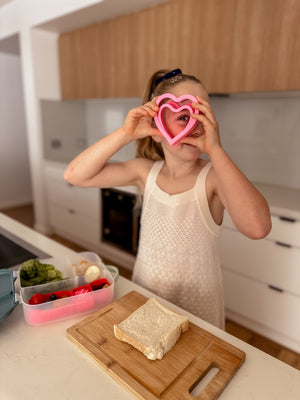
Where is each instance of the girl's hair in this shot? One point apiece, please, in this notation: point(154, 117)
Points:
point(147, 147)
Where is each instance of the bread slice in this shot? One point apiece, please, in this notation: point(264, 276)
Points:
point(153, 329)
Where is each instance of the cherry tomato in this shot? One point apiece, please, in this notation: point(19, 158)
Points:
point(37, 298)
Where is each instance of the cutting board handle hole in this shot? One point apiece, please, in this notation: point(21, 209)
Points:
point(200, 384)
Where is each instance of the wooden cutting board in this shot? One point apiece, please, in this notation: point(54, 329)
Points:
point(173, 377)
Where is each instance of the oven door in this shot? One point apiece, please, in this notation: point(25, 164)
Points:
point(120, 219)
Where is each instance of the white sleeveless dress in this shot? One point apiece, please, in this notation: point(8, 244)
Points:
point(178, 256)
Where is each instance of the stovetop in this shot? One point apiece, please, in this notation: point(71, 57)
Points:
point(14, 251)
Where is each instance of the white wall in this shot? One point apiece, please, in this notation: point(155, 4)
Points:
point(64, 129)
point(15, 184)
point(105, 116)
point(261, 134)
point(45, 59)
point(70, 126)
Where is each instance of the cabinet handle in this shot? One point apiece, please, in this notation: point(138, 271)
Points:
point(284, 244)
point(277, 289)
point(70, 211)
point(287, 219)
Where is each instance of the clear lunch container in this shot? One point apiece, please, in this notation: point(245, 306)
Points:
point(79, 295)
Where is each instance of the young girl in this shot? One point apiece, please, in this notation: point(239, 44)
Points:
point(184, 196)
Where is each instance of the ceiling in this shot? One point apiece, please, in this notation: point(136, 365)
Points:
point(4, 2)
point(104, 10)
point(10, 45)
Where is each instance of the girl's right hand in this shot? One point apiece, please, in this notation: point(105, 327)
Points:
point(139, 121)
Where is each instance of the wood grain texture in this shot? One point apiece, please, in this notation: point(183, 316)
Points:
point(173, 377)
point(232, 46)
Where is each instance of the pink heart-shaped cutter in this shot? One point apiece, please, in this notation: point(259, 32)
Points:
point(175, 107)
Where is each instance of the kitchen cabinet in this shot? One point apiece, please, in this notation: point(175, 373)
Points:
point(232, 46)
point(73, 212)
point(261, 278)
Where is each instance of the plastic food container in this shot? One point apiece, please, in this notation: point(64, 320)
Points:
point(81, 297)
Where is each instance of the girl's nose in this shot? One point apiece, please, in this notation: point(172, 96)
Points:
point(197, 131)
point(194, 134)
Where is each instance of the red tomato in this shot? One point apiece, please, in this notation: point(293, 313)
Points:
point(37, 298)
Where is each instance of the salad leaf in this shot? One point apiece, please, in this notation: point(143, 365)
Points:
point(33, 272)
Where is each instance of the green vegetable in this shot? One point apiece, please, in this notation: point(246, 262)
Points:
point(35, 273)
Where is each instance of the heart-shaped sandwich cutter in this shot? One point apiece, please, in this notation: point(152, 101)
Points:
point(175, 107)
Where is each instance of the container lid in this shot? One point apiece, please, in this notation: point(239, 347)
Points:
point(7, 293)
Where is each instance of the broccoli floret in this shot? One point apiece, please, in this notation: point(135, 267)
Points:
point(33, 272)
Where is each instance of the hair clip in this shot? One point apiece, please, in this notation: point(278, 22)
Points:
point(168, 75)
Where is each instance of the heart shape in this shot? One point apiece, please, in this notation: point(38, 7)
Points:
point(175, 107)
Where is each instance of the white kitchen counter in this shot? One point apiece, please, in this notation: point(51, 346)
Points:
point(41, 363)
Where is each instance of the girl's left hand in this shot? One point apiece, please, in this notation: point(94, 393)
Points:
point(205, 135)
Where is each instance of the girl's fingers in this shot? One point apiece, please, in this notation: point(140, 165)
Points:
point(152, 104)
point(207, 114)
point(136, 112)
point(205, 108)
point(142, 111)
point(203, 101)
point(151, 109)
point(203, 119)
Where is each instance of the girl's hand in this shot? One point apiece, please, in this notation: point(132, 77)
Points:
point(139, 121)
point(206, 134)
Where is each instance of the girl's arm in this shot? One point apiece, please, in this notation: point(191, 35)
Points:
point(246, 206)
point(91, 167)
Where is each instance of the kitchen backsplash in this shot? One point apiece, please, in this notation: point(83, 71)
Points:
point(105, 116)
point(64, 129)
point(262, 135)
point(260, 132)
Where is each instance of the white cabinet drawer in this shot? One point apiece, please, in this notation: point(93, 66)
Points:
point(277, 311)
point(55, 170)
point(82, 227)
point(285, 230)
point(83, 200)
point(262, 260)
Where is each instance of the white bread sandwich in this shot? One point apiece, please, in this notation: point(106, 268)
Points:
point(152, 329)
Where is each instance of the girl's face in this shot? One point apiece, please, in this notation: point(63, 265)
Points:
point(176, 122)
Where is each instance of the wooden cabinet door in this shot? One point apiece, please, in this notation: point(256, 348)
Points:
point(116, 57)
point(265, 52)
point(232, 46)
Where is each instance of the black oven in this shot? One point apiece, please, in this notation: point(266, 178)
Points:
point(120, 219)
